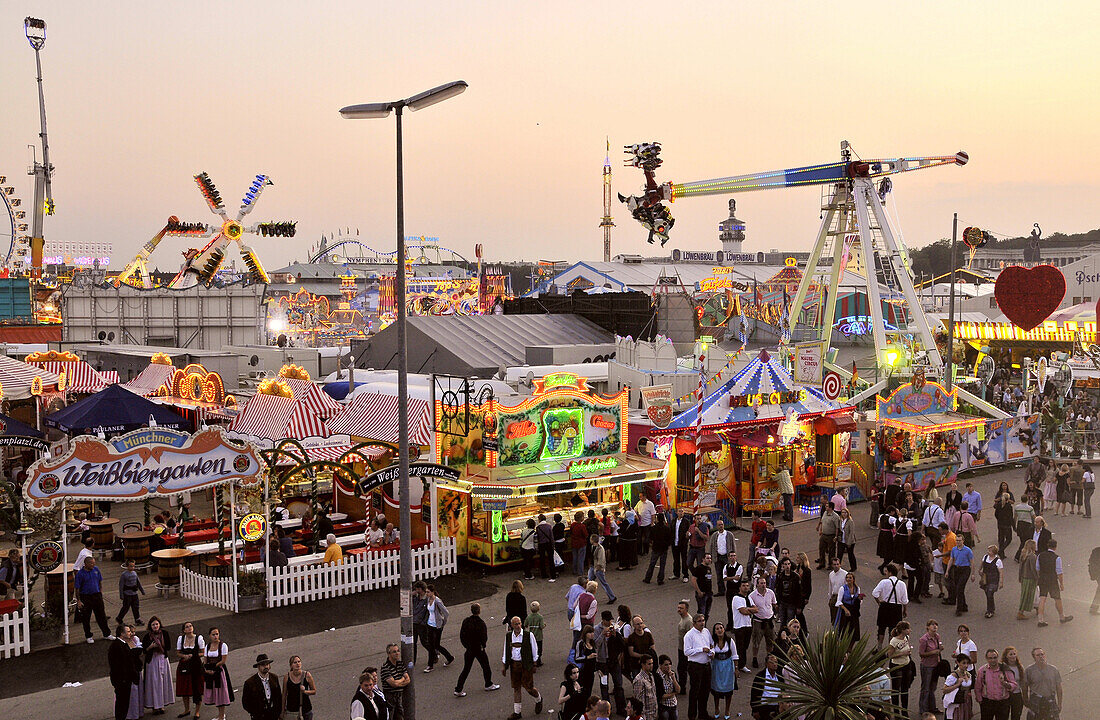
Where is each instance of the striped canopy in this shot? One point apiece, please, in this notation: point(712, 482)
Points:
point(150, 380)
point(373, 416)
point(80, 376)
point(762, 376)
point(272, 417)
point(313, 397)
point(16, 378)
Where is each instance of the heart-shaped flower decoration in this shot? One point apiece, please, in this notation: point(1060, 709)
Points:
point(1027, 296)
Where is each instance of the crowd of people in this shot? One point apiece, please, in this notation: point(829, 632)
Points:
point(749, 642)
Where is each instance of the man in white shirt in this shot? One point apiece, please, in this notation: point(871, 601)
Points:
point(892, 597)
point(763, 601)
point(520, 654)
point(836, 582)
point(644, 510)
point(85, 552)
point(764, 693)
point(933, 516)
point(698, 649)
point(740, 621)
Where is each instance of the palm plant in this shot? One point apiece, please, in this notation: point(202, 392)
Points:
point(834, 678)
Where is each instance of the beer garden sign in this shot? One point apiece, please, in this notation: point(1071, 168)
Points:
point(150, 461)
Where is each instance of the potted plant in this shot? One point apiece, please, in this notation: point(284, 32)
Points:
point(44, 630)
point(251, 590)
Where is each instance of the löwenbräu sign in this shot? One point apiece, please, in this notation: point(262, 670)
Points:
point(145, 462)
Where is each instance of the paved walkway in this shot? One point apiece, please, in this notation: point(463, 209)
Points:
point(336, 657)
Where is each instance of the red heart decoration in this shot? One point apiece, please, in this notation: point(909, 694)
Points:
point(1027, 296)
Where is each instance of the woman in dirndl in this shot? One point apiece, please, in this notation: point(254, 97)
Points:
point(189, 685)
point(884, 547)
point(218, 688)
point(157, 683)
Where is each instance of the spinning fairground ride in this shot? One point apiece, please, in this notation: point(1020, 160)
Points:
point(855, 231)
point(201, 265)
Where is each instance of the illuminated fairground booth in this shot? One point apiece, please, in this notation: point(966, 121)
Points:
point(923, 439)
point(559, 451)
point(729, 447)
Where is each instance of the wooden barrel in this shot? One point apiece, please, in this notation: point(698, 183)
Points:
point(53, 583)
point(103, 536)
point(136, 545)
point(168, 565)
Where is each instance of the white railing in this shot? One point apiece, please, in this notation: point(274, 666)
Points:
point(15, 634)
point(358, 573)
point(216, 591)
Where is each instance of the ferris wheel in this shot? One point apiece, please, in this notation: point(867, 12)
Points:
point(13, 233)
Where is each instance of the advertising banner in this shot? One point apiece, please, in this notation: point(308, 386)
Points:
point(989, 450)
point(808, 365)
point(657, 401)
point(1022, 437)
point(145, 462)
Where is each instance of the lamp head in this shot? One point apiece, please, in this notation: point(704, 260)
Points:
point(366, 111)
point(36, 32)
point(436, 95)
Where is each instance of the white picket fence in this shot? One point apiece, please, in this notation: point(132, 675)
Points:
point(15, 634)
point(216, 591)
point(358, 573)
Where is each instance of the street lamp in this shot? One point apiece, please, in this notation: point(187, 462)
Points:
point(381, 110)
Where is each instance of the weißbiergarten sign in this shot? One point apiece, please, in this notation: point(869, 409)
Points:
point(151, 461)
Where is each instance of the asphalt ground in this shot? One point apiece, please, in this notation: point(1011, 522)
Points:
point(335, 657)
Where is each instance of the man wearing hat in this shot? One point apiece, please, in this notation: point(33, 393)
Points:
point(262, 698)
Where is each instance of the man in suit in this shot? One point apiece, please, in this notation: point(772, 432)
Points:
point(124, 674)
point(719, 546)
point(262, 697)
point(679, 522)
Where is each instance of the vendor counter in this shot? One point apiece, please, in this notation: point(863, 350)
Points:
point(924, 473)
point(496, 526)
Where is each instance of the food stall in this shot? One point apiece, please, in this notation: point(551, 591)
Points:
point(920, 434)
point(561, 450)
point(746, 430)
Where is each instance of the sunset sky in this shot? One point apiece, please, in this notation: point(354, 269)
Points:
point(142, 96)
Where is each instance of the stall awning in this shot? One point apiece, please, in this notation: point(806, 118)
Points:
point(313, 397)
point(113, 410)
point(833, 424)
point(81, 377)
point(934, 422)
point(17, 377)
point(150, 380)
point(332, 454)
point(374, 416)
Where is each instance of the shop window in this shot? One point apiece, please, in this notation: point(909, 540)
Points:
point(1076, 301)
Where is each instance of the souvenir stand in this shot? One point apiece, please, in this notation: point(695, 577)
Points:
point(746, 430)
point(920, 434)
point(561, 450)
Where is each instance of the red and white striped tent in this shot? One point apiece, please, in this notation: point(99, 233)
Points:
point(266, 419)
point(150, 380)
point(16, 378)
point(373, 416)
point(314, 398)
point(80, 377)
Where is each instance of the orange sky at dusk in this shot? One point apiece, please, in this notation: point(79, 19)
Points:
point(141, 96)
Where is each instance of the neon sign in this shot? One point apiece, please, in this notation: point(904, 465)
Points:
point(775, 398)
point(520, 429)
point(561, 379)
point(584, 467)
point(859, 325)
point(601, 422)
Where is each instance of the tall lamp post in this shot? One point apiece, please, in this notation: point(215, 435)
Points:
point(381, 110)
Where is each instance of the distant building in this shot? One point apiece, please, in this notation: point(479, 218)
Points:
point(731, 231)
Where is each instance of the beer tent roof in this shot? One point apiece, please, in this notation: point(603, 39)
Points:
point(113, 410)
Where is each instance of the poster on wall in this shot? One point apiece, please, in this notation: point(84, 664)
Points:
point(962, 445)
point(808, 365)
point(452, 518)
point(657, 401)
point(1022, 437)
point(991, 449)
